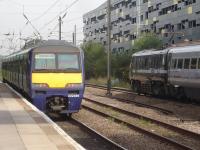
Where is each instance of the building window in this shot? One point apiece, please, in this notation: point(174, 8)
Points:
point(181, 26)
point(141, 17)
point(128, 17)
point(145, 1)
point(189, 2)
point(147, 15)
point(192, 24)
point(133, 4)
point(134, 20)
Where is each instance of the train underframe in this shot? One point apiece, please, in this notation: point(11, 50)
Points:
point(158, 89)
point(60, 101)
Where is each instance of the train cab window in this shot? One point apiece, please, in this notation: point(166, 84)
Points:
point(180, 64)
point(45, 61)
point(68, 61)
point(194, 63)
point(187, 64)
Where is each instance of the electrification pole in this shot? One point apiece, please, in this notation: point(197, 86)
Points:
point(60, 25)
point(109, 48)
point(75, 35)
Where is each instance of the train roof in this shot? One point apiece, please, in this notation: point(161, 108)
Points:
point(185, 49)
point(150, 52)
point(49, 45)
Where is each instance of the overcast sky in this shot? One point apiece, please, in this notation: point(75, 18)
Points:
point(13, 22)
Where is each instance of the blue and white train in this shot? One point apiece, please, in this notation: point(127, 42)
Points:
point(50, 73)
point(171, 72)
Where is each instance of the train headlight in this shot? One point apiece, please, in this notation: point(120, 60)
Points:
point(40, 85)
point(73, 85)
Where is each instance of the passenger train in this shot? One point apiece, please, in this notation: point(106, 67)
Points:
point(51, 74)
point(170, 72)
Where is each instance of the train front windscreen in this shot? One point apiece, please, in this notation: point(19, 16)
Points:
point(57, 62)
point(57, 70)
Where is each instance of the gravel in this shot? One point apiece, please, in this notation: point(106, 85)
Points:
point(119, 133)
point(151, 127)
point(186, 116)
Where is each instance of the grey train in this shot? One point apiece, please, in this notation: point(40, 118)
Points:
point(171, 72)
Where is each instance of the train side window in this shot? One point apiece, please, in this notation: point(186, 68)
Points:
point(174, 62)
point(199, 64)
point(187, 64)
point(194, 63)
point(180, 63)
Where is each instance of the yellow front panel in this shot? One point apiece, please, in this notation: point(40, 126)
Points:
point(57, 80)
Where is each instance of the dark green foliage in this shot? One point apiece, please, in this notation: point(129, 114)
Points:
point(148, 41)
point(96, 57)
point(95, 60)
point(120, 65)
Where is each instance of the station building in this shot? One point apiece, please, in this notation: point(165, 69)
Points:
point(172, 20)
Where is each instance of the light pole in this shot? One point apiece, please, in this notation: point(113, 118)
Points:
point(109, 49)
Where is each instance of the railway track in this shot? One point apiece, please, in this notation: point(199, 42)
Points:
point(113, 89)
point(165, 111)
point(181, 132)
point(86, 136)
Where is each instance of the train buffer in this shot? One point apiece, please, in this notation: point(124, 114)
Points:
point(23, 127)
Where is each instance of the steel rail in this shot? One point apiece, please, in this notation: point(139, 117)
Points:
point(92, 131)
point(165, 111)
point(139, 116)
point(136, 128)
point(137, 103)
point(113, 88)
point(61, 121)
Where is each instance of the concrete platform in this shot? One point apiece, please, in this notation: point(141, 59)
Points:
point(23, 127)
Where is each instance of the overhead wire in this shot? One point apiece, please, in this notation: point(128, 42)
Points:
point(46, 11)
point(60, 13)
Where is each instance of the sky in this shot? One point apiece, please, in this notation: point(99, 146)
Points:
point(43, 14)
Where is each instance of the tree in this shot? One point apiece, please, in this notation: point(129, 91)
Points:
point(95, 60)
point(120, 65)
point(148, 41)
